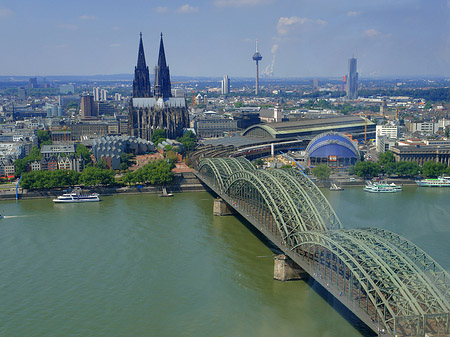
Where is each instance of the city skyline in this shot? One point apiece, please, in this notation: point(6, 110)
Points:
point(297, 38)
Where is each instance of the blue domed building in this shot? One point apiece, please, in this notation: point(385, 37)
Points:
point(332, 148)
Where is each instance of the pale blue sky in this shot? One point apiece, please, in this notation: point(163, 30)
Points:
point(305, 38)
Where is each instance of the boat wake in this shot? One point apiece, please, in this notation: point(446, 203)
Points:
point(14, 216)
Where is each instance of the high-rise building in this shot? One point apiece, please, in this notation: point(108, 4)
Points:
point(33, 82)
point(315, 83)
point(96, 93)
point(352, 79)
point(225, 85)
point(158, 109)
point(88, 110)
point(103, 94)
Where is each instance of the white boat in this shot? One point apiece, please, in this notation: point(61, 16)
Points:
point(165, 194)
point(335, 187)
point(77, 196)
point(438, 182)
point(382, 187)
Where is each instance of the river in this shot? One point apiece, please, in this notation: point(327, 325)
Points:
point(139, 265)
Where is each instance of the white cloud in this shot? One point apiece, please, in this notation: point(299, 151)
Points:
point(161, 9)
point(241, 3)
point(286, 25)
point(68, 26)
point(372, 33)
point(87, 17)
point(186, 9)
point(4, 12)
point(353, 13)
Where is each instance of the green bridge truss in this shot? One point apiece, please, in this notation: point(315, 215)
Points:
point(386, 280)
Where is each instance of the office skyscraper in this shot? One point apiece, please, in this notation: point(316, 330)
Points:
point(87, 108)
point(352, 79)
point(96, 93)
point(103, 95)
point(225, 85)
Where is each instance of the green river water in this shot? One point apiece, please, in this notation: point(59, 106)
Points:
point(139, 265)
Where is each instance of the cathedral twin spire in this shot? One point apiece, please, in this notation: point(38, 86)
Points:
point(141, 83)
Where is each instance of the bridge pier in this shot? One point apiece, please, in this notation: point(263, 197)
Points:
point(284, 269)
point(221, 208)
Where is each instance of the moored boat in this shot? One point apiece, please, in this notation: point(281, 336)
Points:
point(335, 187)
point(165, 194)
point(382, 187)
point(436, 182)
point(77, 196)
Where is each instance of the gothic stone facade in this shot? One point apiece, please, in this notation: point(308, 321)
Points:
point(155, 109)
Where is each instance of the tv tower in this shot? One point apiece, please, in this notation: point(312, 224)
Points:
point(257, 57)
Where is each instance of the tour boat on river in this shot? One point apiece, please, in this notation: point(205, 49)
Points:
point(382, 187)
point(438, 182)
point(77, 196)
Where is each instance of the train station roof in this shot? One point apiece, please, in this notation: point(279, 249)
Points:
point(307, 126)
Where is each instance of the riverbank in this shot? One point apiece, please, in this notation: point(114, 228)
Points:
point(362, 182)
point(183, 182)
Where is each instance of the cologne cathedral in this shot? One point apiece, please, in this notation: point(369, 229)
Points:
point(156, 108)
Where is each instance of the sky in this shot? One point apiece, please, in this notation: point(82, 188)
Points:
point(297, 38)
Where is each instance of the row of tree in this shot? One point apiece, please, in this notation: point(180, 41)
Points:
point(91, 176)
point(387, 165)
point(158, 172)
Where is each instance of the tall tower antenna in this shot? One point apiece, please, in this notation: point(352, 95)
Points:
point(257, 57)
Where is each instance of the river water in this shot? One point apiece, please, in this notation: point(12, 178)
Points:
point(139, 265)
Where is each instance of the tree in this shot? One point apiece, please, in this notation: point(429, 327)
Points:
point(154, 173)
point(172, 156)
point(93, 176)
point(322, 171)
point(101, 164)
point(258, 162)
point(366, 169)
point(35, 154)
point(49, 179)
point(82, 151)
point(386, 158)
point(407, 169)
point(189, 140)
point(158, 136)
point(44, 137)
point(431, 169)
point(125, 158)
point(123, 166)
point(20, 166)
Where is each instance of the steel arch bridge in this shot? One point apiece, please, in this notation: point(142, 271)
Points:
point(387, 281)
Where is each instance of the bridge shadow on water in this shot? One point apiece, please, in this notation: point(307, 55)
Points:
point(321, 291)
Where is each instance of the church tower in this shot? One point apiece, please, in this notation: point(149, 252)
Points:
point(162, 75)
point(149, 110)
point(141, 82)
